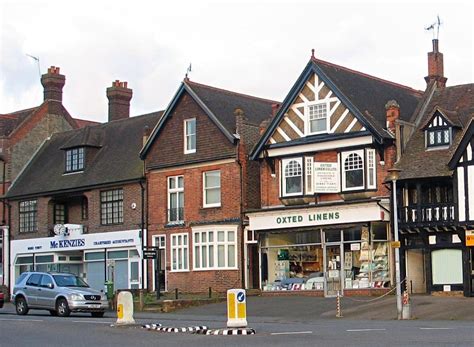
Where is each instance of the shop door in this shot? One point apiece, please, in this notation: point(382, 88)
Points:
point(134, 273)
point(252, 265)
point(472, 270)
point(415, 270)
point(332, 270)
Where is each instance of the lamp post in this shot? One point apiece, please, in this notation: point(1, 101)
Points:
point(393, 176)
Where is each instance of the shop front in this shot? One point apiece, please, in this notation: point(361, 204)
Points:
point(334, 249)
point(97, 257)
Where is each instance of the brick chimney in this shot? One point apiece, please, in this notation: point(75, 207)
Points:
point(53, 83)
point(393, 113)
point(119, 96)
point(435, 67)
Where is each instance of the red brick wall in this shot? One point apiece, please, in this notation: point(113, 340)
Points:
point(168, 147)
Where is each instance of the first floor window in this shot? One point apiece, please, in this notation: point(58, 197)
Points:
point(353, 166)
point(179, 252)
point(175, 199)
point(292, 176)
point(111, 208)
point(215, 248)
point(212, 188)
point(371, 169)
point(28, 216)
point(59, 214)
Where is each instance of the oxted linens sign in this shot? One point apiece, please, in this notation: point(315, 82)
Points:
point(315, 216)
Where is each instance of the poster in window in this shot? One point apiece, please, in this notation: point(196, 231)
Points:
point(326, 178)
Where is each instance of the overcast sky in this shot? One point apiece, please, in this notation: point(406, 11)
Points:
point(253, 47)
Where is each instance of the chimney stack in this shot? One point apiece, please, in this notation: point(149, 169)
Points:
point(393, 114)
point(53, 83)
point(119, 96)
point(435, 67)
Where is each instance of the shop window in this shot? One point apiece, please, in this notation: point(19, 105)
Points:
point(24, 260)
point(111, 206)
point(215, 249)
point(179, 252)
point(28, 216)
point(117, 255)
point(91, 256)
point(176, 199)
point(190, 136)
point(353, 170)
point(59, 214)
point(447, 266)
point(44, 259)
point(292, 177)
point(212, 188)
point(317, 118)
point(75, 159)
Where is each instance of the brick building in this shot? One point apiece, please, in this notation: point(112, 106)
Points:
point(79, 205)
point(200, 181)
point(324, 221)
point(22, 133)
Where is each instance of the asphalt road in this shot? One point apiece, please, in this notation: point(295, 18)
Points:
point(38, 328)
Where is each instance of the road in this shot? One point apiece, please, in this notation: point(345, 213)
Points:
point(38, 328)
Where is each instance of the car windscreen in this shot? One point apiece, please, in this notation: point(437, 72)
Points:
point(69, 281)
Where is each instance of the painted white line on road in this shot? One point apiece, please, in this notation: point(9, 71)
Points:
point(91, 321)
point(358, 330)
point(436, 328)
point(292, 333)
point(22, 320)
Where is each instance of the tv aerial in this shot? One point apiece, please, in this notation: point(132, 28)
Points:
point(37, 62)
point(435, 27)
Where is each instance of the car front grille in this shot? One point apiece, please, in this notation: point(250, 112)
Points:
point(92, 297)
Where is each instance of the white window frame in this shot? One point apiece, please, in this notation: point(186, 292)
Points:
point(309, 175)
point(284, 163)
point(205, 189)
point(308, 121)
point(176, 190)
point(175, 254)
point(371, 165)
point(227, 229)
point(186, 135)
point(344, 156)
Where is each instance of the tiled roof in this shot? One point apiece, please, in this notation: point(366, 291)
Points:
point(115, 160)
point(9, 121)
point(416, 161)
point(81, 123)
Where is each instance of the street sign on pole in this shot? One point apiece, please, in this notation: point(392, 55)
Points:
point(149, 253)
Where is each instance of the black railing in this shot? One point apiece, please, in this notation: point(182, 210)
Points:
point(176, 215)
point(439, 213)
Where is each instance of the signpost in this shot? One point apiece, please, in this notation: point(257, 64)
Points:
point(153, 253)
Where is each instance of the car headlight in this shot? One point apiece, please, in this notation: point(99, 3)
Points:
point(76, 297)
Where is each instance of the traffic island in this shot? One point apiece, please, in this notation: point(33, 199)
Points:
point(232, 331)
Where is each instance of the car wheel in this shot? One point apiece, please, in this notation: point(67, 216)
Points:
point(62, 308)
point(53, 313)
point(21, 306)
point(97, 314)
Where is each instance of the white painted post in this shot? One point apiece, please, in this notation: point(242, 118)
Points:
point(125, 309)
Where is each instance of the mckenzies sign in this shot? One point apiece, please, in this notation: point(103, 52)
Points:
point(67, 243)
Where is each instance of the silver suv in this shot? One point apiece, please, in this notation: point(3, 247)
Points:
point(59, 293)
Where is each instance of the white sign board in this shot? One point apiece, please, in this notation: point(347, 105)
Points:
point(326, 178)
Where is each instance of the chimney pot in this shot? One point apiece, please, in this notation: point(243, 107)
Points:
point(119, 96)
point(53, 83)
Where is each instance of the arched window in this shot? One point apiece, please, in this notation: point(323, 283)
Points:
point(292, 176)
point(354, 171)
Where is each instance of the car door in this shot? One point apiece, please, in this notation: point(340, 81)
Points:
point(46, 293)
point(31, 289)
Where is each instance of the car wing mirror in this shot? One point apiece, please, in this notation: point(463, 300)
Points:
point(50, 285)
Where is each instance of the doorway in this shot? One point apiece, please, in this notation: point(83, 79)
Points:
point(159, 266)
point(252, 266)
point(332, 270)
point(415, 270)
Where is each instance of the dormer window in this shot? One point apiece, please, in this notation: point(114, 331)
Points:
point(438, 137)
point(190, 136)
point(317, 118)
point(75, 159)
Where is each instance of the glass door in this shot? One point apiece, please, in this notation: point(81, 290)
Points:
point(134, 273)
point(332, 269)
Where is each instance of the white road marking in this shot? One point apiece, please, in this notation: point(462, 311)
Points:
point(91, 321)
point(22, 320)
point(293, 333)
point(357, 330)
point(436, 328)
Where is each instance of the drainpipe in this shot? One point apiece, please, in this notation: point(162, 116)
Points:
point(142, 230)
point(242, 260)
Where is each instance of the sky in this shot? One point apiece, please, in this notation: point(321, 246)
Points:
point(254, 47)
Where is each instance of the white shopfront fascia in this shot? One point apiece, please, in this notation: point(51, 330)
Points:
point(319, 216)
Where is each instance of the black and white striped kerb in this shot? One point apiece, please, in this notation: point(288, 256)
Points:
point(243, 331)
point(151, 326)
point(194, 330)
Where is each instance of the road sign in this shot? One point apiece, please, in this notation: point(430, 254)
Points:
point(149, 253)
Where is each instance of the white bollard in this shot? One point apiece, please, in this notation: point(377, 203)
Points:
point(236, 308)
point(125, 309)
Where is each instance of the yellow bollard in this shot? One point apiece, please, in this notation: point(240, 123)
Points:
point(236, 308)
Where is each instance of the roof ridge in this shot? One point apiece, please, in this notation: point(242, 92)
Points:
point(395, 84)
point(231, 92)
point(20, 111)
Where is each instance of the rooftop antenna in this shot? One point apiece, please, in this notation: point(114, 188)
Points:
point(37, 61)
point(188, 71)
point(435, 27)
